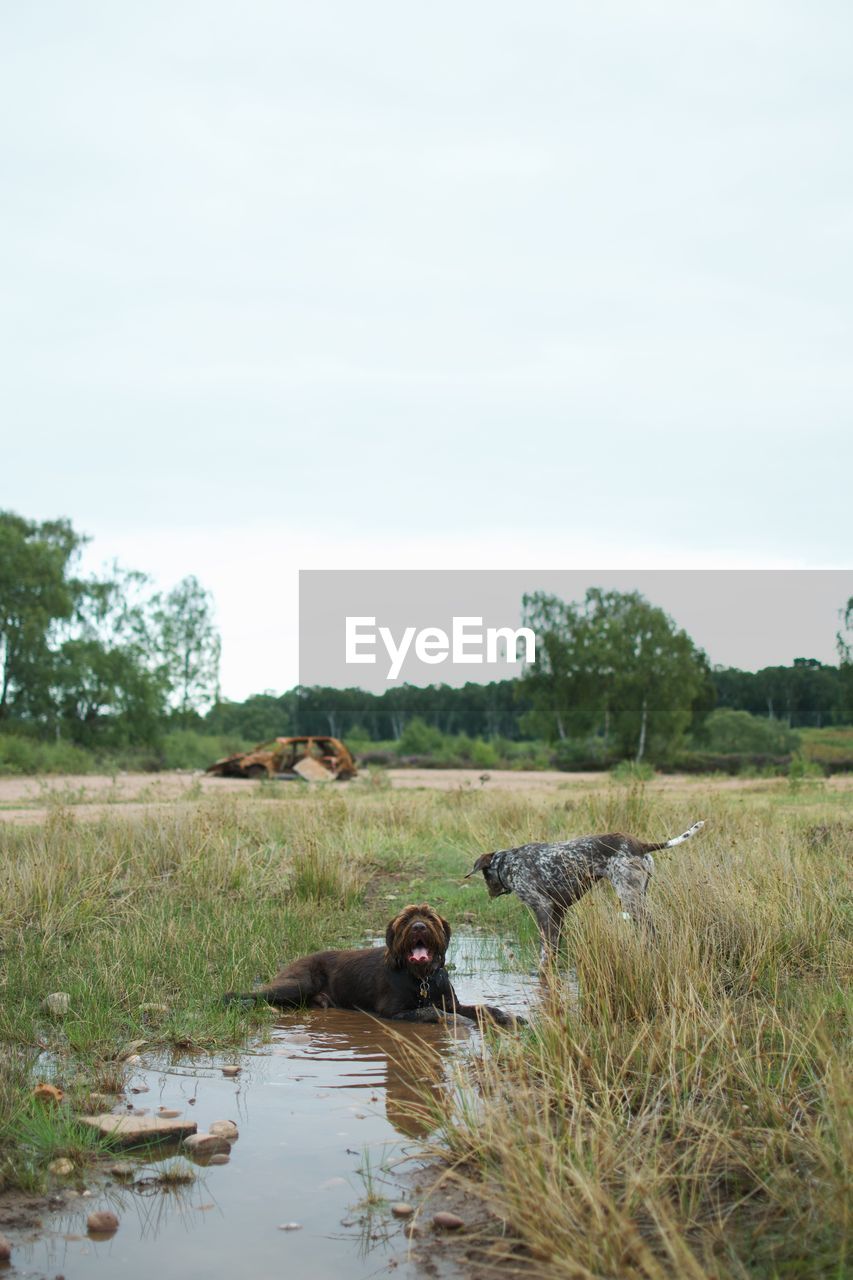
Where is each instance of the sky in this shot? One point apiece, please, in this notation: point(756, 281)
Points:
point(553, 286)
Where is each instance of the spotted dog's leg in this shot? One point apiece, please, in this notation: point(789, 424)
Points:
point(549, 917)
point(630, 878)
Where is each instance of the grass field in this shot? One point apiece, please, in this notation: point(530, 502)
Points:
point(688, 1114)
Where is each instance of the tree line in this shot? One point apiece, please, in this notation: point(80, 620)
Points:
point(107, 662)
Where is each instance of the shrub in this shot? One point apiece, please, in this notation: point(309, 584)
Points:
point(19, 754)
point(726, 731)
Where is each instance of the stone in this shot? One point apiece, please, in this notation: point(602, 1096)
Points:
point(130, 1131)
point(447, 1221)
point(224, 1129)
point(290, 1226)
point(48, 1094)
point(229, 1072)
point(167, 1113)
point(124, 1171)
point(62, 1167)
point(57, 1003)
point(207, 1144)
point(402, 1210)
point(102, 1222)
point(219, 1157)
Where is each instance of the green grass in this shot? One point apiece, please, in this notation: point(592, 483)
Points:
point(686, 1115)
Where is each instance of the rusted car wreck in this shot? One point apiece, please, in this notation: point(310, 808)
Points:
point(311, 758)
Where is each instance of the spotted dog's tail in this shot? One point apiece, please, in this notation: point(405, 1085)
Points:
point(668, 844)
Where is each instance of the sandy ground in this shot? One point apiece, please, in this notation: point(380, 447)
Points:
point(29, 800)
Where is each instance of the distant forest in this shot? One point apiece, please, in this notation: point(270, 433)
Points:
point(808, 694)
point(111, 669)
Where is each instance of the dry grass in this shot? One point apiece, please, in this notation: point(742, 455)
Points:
point(688, 1114)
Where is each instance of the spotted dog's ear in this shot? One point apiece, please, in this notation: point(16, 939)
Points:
point(480, 865)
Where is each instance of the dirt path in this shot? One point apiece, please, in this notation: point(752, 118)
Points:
point(29, 800)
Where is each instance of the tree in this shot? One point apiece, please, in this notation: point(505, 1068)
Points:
point(189, 646)
point(844, 645)
point(36, 594)
point(616, 665)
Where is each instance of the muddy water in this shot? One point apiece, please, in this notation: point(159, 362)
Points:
point(326, 1097)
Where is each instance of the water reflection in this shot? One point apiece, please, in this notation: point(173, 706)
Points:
point(394, 1062)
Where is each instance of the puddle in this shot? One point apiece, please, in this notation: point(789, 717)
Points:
point(313, 1105)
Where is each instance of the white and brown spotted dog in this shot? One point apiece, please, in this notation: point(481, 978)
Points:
point(550, 878)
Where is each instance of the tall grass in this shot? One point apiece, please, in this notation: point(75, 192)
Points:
point(685, 1110)
point(681, 1109)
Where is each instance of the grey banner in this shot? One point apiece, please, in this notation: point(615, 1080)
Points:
point(375, 629)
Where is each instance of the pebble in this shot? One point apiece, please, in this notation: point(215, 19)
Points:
point(290, 1226)
point(229, 1072)
point(224, 1129)
point(168, 1113)
point(57, 1003)
point(447, 1221)
point(100, 1102)
point(48, 1094)
point(62, 1167)
point(402, 1210)
point(122, 1170)
point(102, 1222)
point(219, 1157)
point(5, 1249)
point(207, 1144)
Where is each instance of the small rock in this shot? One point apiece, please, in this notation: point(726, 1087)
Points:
point(132, 1059)
point(57, 1003)
point(402, 1210)
point(447, 1221)
point(230, 1072)
point(61, 1167)
point(141, 1088)
point(86, 1193)
point(102, 1223)
point(167, 1113)
point(122, 1171)
point(207, 1144)
point(224, 1129)
point(48, 1094)
point(219, 1157)
point(412, 1230)
point(99, 1102)
point(5, 1249)
point(290, 1226)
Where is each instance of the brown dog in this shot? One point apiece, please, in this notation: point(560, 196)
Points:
point(406, 979)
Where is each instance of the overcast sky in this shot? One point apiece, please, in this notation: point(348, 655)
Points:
point(551, 285)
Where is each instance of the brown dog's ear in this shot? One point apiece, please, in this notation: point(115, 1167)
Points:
point(393, 925)
point(448, 932)
point(480, 865)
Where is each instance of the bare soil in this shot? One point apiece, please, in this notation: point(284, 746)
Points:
point(26, 800)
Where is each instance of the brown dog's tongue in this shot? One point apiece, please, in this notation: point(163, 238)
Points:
point(420, 954)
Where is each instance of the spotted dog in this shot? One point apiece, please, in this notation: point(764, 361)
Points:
point(550, 878)
point(405, 980)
